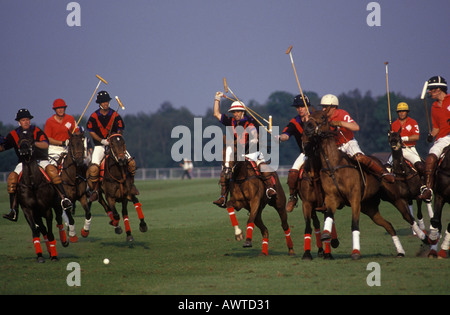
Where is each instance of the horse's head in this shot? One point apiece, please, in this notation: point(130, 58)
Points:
point(395, 140)
point(76, 147)
point(118, 148)
point(26, 146)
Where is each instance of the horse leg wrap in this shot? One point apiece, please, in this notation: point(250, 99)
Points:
point(52, 247)
point(265, 246)
point(250, 228)
point(113, 220)
point(333, 231)
point(398, 245)
point(37, 245)
point(126, 222)
point(318, 236)
point(327, 246)
point(356, 243)
point(138, 207)
point(232, 214)
point(62, 233)
point(287, 234)
point(307, 242)
point(328, 226)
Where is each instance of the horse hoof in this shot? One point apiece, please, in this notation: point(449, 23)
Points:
point(328, 256)
point(400, 255)
point(442, 254)
point(432, 254)
point(335, 243)
point(291, 252)
point(65, 244)
point(307, 256)
point(143, 227)
point(54, 258)
point(84, 233)
point(239, 237)
point(356, 255)
point(263, 254)
point(118, 230)
point(130, 238)
point(247, 244)
point(320, 252)
point(40, 259)
point(73, 239)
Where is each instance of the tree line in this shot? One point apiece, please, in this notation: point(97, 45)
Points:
point(148, 135)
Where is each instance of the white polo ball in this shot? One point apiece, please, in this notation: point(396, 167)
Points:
point(106, 261)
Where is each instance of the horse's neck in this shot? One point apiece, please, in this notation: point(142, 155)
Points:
point(31, 173)
point(397, 159)
point(331, 156)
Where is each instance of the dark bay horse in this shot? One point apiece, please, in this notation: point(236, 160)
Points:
point(307, 190)
point(37, 196)
point(407, 177)
point(441, 195)
point(247, 191)
point(73, 175)
point(345, 185)
point(117, 186)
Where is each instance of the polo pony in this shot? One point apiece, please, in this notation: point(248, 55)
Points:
point(117, 186)
point(346, 184)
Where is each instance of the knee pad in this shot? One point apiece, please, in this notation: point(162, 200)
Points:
point(12, 181)
point(52, 172)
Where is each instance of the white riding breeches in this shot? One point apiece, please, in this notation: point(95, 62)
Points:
point(41, 163)
point(99, 153)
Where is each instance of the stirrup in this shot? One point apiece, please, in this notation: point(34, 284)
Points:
point(422, 191)
point(66, 204)
point(270, 189)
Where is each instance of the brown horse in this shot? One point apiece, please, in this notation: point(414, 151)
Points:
point(37, 196)
point(407, 177)
point(73, 175)
point(117, 186)
point(345, 184)
point(441, 196)
point(307, 193)
point(247, 191)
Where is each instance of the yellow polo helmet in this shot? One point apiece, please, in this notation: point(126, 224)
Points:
point(402, 106)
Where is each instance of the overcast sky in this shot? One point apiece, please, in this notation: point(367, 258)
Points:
point(152, 51)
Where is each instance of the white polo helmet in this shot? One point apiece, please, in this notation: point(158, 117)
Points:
point(329, 100)
point(236, 105)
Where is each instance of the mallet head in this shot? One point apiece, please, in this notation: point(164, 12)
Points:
point(289, 50)
point(120, 103)
point(225, 85)
point(101, 79)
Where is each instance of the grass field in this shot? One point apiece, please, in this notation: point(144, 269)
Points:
point(190, 249)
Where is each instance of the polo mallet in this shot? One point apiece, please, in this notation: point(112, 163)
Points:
point(387, 87)
point(121, 106)
point(249, 110)
point(95, 91)
point(288, 52)
point(423, 97)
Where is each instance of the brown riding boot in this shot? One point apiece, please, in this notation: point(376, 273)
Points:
point(52, 172)
point(12, 181)
point(292, 182)
point(420, 167)
point(375, 168)
point(224, 181)
point(319, 195)
point(430, 167)
point(267, 177)
point(92, 176)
